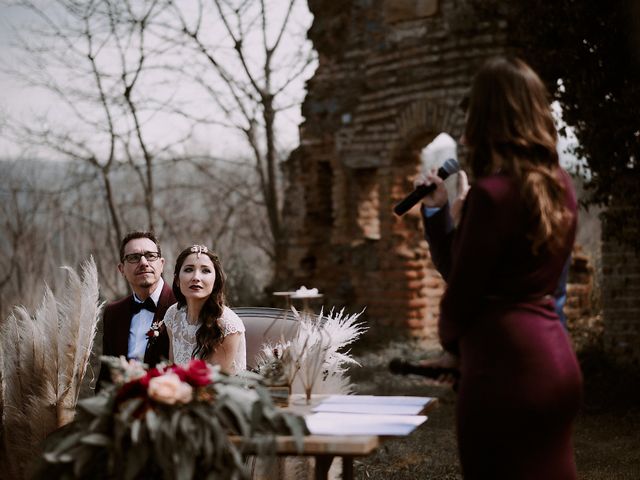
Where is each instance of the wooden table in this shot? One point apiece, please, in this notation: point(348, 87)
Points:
point(326, 447)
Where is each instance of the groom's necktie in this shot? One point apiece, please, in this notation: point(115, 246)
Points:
point(146, 305)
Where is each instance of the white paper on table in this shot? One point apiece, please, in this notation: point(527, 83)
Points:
point(369, 408)
point(325, 423)
point(378, 400)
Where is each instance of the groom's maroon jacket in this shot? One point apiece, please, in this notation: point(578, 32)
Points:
point(116, 325)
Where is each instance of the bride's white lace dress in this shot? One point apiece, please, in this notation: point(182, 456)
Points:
point(184, 335)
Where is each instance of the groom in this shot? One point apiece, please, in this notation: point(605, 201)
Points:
point(132, 325)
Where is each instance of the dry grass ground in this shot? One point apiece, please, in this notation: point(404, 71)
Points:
point(607, 430)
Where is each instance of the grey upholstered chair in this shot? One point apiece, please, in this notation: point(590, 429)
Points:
point(265, 326)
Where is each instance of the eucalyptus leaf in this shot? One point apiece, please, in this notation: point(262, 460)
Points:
point(238, 395)
point(84, 458)
point(162, 448)
point(238, 463)
point(65, 458)
point(135, 430)
point(240, 417)
point(256, 417)
point(153, 423)
point(136, 461)
point(127, 408)
point(97, 406)
point(187, 425)
point(298, 429)
point(209, 417)
point(52, 457)
point(97, 439)
point(264, 396)
point(186, 467)
point(66, 443)
point(269, 414)
point(207, 444)
point(99, 424)
point(219, 438)
point(175, 420)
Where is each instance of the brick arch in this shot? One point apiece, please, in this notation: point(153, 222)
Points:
point(415, 276)
point(375, 100)
point(422, 119)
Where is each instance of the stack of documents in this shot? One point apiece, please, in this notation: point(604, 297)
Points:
point(367, 415)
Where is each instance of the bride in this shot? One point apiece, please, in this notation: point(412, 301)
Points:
point(200, 325)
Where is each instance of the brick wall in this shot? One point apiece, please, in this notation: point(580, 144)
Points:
point(579, 286)
point(621, 289)
point(391, 75)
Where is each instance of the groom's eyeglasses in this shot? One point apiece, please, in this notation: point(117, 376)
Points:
point(136, 257)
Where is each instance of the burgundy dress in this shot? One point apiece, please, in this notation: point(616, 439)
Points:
point(520, 385)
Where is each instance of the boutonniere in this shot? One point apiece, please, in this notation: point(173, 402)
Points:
point(154, 331)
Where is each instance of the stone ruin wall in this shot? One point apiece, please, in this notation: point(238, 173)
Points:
point(621, 290)
point(391, 75)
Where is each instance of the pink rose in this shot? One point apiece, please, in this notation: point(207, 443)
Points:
point(169, 389)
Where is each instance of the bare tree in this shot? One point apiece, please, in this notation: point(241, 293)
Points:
point(252, 76)
point(34, 228)
point(96, 58)
point(135, 82)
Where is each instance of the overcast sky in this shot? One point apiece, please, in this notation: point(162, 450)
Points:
point(24, 103)
point(19, 101)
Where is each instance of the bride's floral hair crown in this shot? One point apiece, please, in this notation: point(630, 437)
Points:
point(198, 249)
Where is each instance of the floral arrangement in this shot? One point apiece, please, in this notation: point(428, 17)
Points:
point(172, 421)
point(316, 359)
point(154, 331)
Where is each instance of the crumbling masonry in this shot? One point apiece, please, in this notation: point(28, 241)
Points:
point(391, 75)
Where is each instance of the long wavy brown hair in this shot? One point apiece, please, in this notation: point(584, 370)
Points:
point(510, 129)
point(209, 334)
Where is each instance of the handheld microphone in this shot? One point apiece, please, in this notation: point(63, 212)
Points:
point(402, 367)
point(449, 167)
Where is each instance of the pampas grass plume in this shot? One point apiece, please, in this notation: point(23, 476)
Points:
point(43, 360)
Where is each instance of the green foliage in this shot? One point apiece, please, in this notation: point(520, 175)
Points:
point(124, 433)
point(591, 47)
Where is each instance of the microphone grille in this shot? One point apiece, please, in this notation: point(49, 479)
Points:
point(451, 166)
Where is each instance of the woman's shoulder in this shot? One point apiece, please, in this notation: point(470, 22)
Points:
point(498, 187)
point(493, 192)
point(231, 322)
point(567, 181)
point(171, 314)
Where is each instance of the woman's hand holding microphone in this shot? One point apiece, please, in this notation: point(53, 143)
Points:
point(439, 197)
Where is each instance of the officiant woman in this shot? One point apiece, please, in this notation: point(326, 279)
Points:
point(520, 385)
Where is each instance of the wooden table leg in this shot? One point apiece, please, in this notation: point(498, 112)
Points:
point(323, 464)
point(347, 468)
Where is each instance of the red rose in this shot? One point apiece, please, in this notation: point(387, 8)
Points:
point(154, 372)
point(197, 373)
point(178, 370)
point(153, 333)
point(130, 390)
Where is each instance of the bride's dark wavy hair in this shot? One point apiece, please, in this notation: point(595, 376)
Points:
point(510, 127)
point(209, 334)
